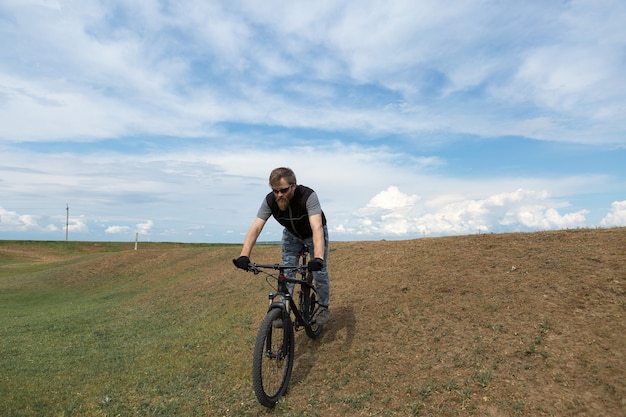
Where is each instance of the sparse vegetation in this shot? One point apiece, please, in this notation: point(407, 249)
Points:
point(93, 329)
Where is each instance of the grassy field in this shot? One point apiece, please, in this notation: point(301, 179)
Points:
point(495, 325)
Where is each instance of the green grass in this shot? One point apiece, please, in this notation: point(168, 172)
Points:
point(120, 347)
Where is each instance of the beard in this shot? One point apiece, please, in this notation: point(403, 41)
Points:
point(283, 203)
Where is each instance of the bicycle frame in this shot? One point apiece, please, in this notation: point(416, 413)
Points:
point(286, 302)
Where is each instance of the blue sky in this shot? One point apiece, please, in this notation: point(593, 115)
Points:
point(409, 118)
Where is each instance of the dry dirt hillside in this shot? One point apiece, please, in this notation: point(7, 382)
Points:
point(535, 322)
point(483, 325)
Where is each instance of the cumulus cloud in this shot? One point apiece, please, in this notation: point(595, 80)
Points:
point(117, 230)
point(77, 224)
point(617, 216)
point(134, 109)
point(141, 228)
point(144, 228)
point(392, 199)
point(12, 221)
point(393, 212)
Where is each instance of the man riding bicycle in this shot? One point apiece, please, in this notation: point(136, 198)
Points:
point(297, 208)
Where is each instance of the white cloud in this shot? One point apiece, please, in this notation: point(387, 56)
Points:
point(203, 193)
point(617, 216)
point(97, 77)
point(117, 230)
point(11, 221)
point(141, 228)
point(77, 225)
point(392, 199)
point(392, 212)
point(144, 228)
point(187, 107)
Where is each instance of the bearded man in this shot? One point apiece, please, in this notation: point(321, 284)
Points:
point(298, 210)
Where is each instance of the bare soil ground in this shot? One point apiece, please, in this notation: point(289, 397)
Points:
point(513, 324)
point(483, 325)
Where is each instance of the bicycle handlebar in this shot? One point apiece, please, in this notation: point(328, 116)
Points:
point(299, 269)
point(256, 268)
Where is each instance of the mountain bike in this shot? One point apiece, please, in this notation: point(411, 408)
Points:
point(273, 357)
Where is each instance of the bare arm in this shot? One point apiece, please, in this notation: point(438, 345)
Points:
point(252, 236)
point(318, 235)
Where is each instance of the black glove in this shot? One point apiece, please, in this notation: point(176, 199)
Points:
point(316, 264)
point(243, 262)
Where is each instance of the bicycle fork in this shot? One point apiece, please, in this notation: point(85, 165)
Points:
point(278, 301)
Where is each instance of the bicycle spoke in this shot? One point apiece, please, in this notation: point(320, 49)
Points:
point(273, 359)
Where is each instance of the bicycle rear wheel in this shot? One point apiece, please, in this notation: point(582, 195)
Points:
point(308, 311)
point(272, 361)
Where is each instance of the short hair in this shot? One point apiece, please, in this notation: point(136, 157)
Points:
point(282, 172)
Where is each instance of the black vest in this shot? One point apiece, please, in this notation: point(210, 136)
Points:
point(295, 218)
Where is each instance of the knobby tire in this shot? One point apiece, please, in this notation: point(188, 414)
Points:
point(308, 310)
point(273, 357)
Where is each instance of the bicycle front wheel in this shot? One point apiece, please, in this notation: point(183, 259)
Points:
point(273, 358)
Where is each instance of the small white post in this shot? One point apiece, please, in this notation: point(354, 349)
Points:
point(136, 239)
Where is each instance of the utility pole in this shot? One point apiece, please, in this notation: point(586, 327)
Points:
point(67, 220)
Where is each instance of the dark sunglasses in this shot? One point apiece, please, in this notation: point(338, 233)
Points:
point(281, 190)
